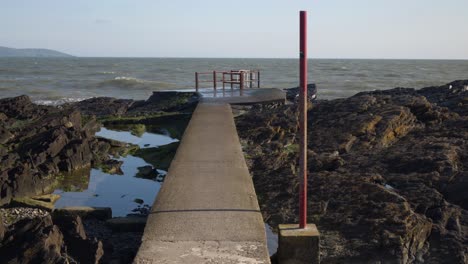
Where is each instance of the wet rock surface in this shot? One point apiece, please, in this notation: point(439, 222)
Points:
point(43, 142)
point(40, 146)
point(157, 103)
point(387, 173)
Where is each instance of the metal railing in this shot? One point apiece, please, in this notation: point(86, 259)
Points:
point(242, 78)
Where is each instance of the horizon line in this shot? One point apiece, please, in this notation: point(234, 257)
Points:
point(280, 58)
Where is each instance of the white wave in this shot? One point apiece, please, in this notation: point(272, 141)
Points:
point(125, 78)
point(60, 101)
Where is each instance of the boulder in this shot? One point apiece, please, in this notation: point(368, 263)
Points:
point(81, 248)
point(292, 94)
point(33, 241)
point(146, 172)
point(21, 108)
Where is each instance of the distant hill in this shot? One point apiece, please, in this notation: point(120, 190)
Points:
point(10, 52)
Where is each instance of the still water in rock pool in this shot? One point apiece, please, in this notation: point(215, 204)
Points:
point(123, 193)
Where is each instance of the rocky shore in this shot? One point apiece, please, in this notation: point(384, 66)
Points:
point(41, 145)
point(388, 175)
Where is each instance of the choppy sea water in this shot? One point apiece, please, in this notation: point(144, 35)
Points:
point(55, 80)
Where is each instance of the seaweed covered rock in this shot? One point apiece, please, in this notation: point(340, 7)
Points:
point(103, 106)
point(158, 102)
point(166, 101)
point(387, 173)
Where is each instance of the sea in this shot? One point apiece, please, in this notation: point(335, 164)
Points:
point(60, 80)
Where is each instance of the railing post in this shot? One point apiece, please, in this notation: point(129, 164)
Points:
point(258, 79)
point(224, 80)
point(241, 79)
point(250, 79)
point(214, 80)
point(232, 85)
point(196, 81)
point(303, 120)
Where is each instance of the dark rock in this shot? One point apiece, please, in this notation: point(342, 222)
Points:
point(455, 190)
point(127, 224)
point(104, 106)
point(3, 117)
point(71, 225)
point(41, 142)
point(292, 94)
point(387, 173)
point(119, 247)
point(2, 230)
point(87, 251)
point(453, 95)
point(166, 102)
point(146, 172)
point(37, 143)
point(138, 201)
point(76, 155)
point(81, 248)
point(112, 166)
point(101, 213)
point(21, 108)
point(5, 135)
point(159, 157)
point(33, 241)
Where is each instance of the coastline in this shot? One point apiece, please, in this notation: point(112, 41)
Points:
point(388, 168)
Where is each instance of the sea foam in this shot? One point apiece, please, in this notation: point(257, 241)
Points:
point(59, 101)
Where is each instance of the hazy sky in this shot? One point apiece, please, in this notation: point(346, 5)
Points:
point(426, 29)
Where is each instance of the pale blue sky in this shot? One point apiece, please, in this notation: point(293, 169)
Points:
point(423, 29)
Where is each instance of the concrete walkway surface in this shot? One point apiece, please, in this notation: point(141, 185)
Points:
point(207, 209)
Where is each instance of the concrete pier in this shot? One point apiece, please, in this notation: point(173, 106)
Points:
point(207, 209)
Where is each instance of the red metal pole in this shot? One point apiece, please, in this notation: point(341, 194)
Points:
point(196, 81)
point(214, 79)
point(303, 120)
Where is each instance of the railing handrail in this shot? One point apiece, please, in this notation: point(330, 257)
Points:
point(248, 76)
